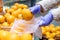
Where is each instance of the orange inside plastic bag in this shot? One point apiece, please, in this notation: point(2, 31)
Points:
point(23, 26)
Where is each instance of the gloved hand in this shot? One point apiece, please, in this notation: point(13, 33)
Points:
point(46, 20)
point(53, 14)
point(35, 9)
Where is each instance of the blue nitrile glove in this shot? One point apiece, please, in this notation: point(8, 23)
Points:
point(35, 9)
point(46, 20)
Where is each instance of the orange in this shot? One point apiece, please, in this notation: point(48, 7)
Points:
point(17, 30)
point(43, 30)
point(47, 28)
point(15, 14)
point(2, 18)
point(7, 15)
point(57, 32)
point(5, 24)
point(13, 37)
point(6, 9)
point(51, 25)
point(21, 6)
point(11, 24)
point(14, 7)
point(19, 10)
point(48, 34)
point(10, 10)
point(10, 19)
point(26, 37)
point(58, 28)
point(4, 35)
point(27, 15)
point(20, 28)
point(53, 35)
point(25, 6)
point(53, 29)
point(16, 4)
point(20, 16)
point(51, 39)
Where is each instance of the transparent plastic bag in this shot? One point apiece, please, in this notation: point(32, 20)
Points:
point(23, 26)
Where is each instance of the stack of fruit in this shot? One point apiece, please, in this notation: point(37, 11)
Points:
point(51, 32)
point(5, 35)
point(17, 11)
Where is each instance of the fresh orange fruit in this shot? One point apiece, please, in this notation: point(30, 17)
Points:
point(13, 37)
point(58, 28)
point(20, 28)
point(7, 15)
point(43, 30)
point(17, 30)
point(11, 24)
point(4, 35)
point(15, 14)
point(20, 16)
point(51, 25)
point(2, 18)
point(21, 6)
point(53, 35)
point(27, 15)
point(6, 9)
point(57, 32)
point(19, 10)
point(5, 24)
point(47, 28)
point(14, 7)
point(10, 10)
point(16, 4)
point(48, 34)
point(25, 6)
point(10, 19)
point(26, 37)
point(53, 30)
point(51, 39)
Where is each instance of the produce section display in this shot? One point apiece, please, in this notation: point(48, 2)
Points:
point(51, 32)
point(21, 11)
point(16, 11)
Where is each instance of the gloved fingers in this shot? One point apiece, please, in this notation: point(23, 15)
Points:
point(35, 9)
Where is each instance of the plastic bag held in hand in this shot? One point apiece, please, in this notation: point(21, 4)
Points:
point(22, 26)
point(35, 9)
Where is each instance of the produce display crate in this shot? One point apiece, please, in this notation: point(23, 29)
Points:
point(10, 3)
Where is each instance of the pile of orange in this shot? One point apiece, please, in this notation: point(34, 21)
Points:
point(5, 35)
point(50, 31)
point(16, 11)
